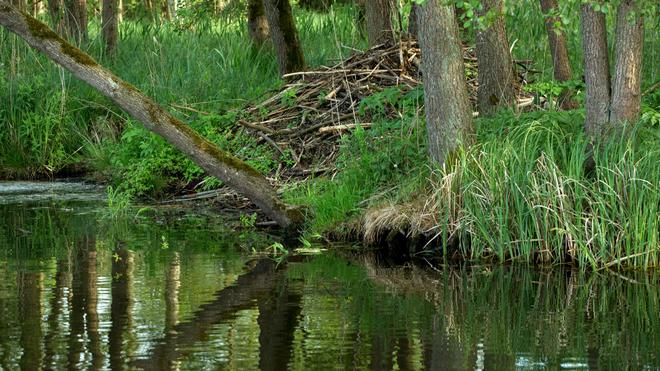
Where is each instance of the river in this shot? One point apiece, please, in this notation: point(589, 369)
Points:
point(178, 288)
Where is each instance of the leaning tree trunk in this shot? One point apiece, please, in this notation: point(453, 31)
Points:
point(257, 22)
point(284, 35)
point(75, 16)
point(231, 170)
point(596, 70)
point(379, 21)
point(626, 85)
point(494, 62)
point(559, 52)
point(448, 113)
point(109, 26)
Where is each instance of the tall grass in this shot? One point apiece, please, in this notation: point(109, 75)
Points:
point(521, 193)
point(210, 67)
point(526, 196)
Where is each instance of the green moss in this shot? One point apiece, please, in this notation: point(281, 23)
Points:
point(41, 31)
point(127, 85)
point(77, 54)
point(209, 147)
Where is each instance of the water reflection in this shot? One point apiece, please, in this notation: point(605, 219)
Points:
point(30, 285)
point(79, 293)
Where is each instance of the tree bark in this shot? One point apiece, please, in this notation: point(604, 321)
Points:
point(284, 35)
point(75, 20)
point(172, 8)
point(559, 52)
point(55, 14)
point(257, 22)
point(494, 62)
point(448, 112)
point(379, 21)
point(231, 170)
point(109, 26)
point(596, 70)
point(626, 84)
point(412, 20)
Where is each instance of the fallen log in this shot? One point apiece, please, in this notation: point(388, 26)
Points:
point(226, 167)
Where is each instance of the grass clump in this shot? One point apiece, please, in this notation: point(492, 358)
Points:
point(522, 193)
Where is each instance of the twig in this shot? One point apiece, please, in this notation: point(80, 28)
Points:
point(345, 127)
point(652, 88)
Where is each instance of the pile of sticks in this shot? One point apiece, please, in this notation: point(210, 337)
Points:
point(316, 106)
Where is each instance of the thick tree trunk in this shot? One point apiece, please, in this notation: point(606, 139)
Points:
point(231, 170)
point(284, 35)
point(55, 14)
point(596, 70)
point(109, 25)
point(75, 20)
point(494, 63)
point(448, 112)
point(626, 84)
point(560, 62)
point(257, 22)
point(412, 20)
point(379, 21)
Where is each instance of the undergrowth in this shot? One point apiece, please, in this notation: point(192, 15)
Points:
point(50, 121)
point(522, 193)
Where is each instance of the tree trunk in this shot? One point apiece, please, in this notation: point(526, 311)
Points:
point(109, 26)
point(55, 13)
point(560, 62)
point(20, 4)
point(494, 62)
point(379, 21)
point(626, 84)
point(448, 112)
point(231, 170)
point(596, 70)
point(172, 8)
point(165, 10)
point(412, 20)
point(257, 22)
point(75, 16)
point(284, 35)
point(121, 313)
point(30, 287)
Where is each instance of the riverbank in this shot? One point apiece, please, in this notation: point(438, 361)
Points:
point(355, 154)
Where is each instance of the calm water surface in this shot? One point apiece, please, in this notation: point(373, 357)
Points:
point(179, 289)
